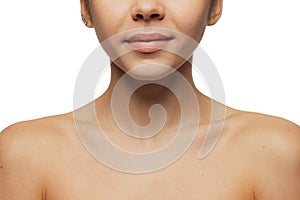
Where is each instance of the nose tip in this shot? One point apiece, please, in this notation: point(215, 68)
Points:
point(147, 10)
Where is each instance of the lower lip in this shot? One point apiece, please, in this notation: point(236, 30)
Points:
point(148, 47)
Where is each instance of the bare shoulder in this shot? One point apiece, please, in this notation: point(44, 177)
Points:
point(35, 133)
point(272, 145)
point(272, 131)
point(25, 149)
point(261, 126)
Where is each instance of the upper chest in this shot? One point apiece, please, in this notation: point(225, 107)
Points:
point(188, 178)
point(224, 174)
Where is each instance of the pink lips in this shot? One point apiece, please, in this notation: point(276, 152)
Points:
point(148, 43)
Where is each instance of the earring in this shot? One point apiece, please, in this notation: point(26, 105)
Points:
point(84, 21)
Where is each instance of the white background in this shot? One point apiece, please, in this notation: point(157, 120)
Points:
point(43, 44)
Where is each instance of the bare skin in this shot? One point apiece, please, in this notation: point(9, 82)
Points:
point(256, 157)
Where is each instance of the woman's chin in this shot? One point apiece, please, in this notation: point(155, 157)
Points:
point(150, 72)
point(149, 67)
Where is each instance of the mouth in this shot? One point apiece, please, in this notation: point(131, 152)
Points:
point(148, 42)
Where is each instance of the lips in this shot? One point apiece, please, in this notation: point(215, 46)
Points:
point(148, 43)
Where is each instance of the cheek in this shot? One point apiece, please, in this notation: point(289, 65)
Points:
point(108, 17)
point(191, 19)
point(194, 29)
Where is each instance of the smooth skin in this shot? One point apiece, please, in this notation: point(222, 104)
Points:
point(257, 156)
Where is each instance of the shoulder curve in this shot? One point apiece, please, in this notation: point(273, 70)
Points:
point(253, 121)
point(271, 148)
point(33, 134)
point(268, 137)
point(21, 162)
point(265, 133)
point(32, 144)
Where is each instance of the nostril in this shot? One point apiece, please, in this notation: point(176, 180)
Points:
point(152, 16)
point(139, 16)
point(147, 11)
point(155, 15)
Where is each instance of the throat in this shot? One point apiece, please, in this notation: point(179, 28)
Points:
point(151, 103)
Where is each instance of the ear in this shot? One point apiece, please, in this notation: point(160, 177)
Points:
point(85, 12)
point(215, 12)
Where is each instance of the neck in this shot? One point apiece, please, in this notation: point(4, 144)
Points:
point(144, 97)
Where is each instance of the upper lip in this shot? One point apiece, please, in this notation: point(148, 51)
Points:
point(147, 37)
